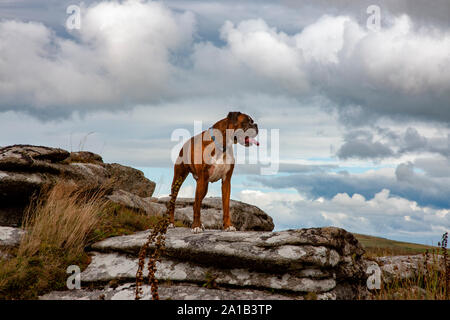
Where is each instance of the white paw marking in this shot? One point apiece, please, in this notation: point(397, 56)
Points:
point(230, 228)
point(170, 226)
point(197, 230)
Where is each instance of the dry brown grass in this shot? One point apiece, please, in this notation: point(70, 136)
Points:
point(431, 282)
point(58, 225)
point(63, 219)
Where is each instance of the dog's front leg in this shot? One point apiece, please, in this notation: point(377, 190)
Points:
point(226, 190)
point(200, 193)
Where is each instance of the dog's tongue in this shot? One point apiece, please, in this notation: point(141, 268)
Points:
point(252, 141)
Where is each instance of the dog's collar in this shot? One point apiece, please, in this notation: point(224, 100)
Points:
point(213, 138)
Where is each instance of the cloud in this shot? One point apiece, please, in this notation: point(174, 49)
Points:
point(434, 167)
point(420, 11)
point(363, 148)
point(402, 182)
point(383, 214)
point(120, 57)
point(378, 143)
point(139, 52)
point(255, 169)
point(394, 72)
point(405, 172)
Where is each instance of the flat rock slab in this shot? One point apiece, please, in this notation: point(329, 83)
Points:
point(244, 216)
point(172, 292)
point(262, 251)
point(106, 267)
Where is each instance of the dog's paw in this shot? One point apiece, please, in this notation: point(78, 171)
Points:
point(170, 226)
point(230, 228)
point(197, 230)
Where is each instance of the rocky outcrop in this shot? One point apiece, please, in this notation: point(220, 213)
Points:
point(179, 291)
point(323, 263)
point(399, 268)
point(25, 170)
point(245, 217)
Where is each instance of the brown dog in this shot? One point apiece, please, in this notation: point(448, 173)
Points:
point(209, 157)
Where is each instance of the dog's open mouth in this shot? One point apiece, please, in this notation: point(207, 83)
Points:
point(250, 141)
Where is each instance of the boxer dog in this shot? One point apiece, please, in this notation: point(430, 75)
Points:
point(209, 157)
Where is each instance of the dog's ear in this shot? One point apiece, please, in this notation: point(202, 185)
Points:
point(233, 116)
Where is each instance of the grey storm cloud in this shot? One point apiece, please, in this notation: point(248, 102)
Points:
point(405, 183)
point(434, 167)
point(364, 150)
point(255, 169)
point(362, 144)
point(405, 172)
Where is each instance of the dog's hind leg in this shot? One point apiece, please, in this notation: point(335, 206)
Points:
point(180, 174)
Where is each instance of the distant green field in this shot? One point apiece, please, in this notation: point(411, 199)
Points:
point(376, 246)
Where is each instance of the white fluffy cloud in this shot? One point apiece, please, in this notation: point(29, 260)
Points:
point(119, 56)
point(384, 214)
point(266, 52)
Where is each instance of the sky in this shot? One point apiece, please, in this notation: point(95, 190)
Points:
point(362, 113)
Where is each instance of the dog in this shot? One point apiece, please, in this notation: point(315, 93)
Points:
point(208, 156)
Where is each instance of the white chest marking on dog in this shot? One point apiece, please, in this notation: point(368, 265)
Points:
point(219, 167)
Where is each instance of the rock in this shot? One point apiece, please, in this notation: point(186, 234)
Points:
point(264, 251)
point(137, 203)
point(10, 237)
point(245, 217)
point(402, 267)
point(169, 291)
point(325, 245)
point(26, 157)
point(25, 170)
point(130, 179)
point(85, 156)
point(106, 267)
point(290, 264)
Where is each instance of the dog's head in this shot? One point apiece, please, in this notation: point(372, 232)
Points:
point(245, 128)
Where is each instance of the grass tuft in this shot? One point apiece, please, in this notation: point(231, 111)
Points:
point(431, 282)
point(60, 224)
